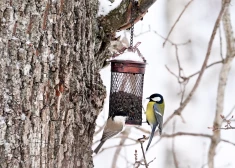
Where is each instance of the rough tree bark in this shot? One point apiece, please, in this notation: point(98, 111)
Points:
point(50, 89)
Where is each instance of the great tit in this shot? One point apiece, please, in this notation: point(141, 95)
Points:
point(154, 114)
point(114, 125)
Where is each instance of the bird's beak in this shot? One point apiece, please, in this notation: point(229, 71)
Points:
point(148, 98)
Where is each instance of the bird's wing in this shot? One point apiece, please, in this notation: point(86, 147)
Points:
point(158, 116)
point(108, 134)
point(111, 129)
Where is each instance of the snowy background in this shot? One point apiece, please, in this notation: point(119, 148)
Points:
point(196, 25)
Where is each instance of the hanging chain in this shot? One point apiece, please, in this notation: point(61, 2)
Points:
point(132, 23)
point(131, 47)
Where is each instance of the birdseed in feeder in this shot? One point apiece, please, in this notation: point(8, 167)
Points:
point(129, 103)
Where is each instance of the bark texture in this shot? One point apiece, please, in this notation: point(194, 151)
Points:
point(50, 88)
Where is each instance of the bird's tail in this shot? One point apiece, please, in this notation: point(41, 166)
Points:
point(151, 136)
point(98, 147)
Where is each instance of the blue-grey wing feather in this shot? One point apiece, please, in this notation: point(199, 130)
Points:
point(158, 117)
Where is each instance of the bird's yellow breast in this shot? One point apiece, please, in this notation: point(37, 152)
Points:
point(150, 116)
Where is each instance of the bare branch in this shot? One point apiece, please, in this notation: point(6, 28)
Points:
point(223, 77)
point(180, 109)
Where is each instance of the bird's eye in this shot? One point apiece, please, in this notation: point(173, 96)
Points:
point(157, 99)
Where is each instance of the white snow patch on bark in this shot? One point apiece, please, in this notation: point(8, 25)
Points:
point(7, 109)
point(14, 38)
point(18, 65)
point(28, 42)
point(3, 128)
point(2, 120)
point(23, 116)
point(106, 6)
point(27, 69)
point(7, 147)
point(40, 97)
point(51, 57)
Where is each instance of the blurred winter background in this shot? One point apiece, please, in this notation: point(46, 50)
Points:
point(196, 25)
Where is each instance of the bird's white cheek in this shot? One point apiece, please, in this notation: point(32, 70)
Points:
point(157, 99)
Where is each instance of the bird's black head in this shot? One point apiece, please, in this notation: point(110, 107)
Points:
point(156, 98)
point(119, 113)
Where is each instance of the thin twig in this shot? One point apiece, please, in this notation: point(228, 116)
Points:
point(114, 146)
point(119, 137)
point(186, 79)
point(146, 164)
point(171, 42)
point(143, 109)
point(177, 21)
point(178, 60)
point(224, 128)
point(231, 111)
point(151, 161)
point(137, 163)
point(208, 66)
point(193, 134)
point(171, 72)
point(173, 148)
point(142, 140)
point(141, 33)
point(143, 130)
point(182, 94)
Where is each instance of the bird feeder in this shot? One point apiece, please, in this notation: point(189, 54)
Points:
point(127, 79)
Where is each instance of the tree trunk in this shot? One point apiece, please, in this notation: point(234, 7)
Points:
point(50, 88)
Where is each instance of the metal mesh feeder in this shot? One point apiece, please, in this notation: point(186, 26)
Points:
point(127, 78)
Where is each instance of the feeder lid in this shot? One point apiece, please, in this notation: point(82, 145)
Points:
point(126, 66)
point(127, 61)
